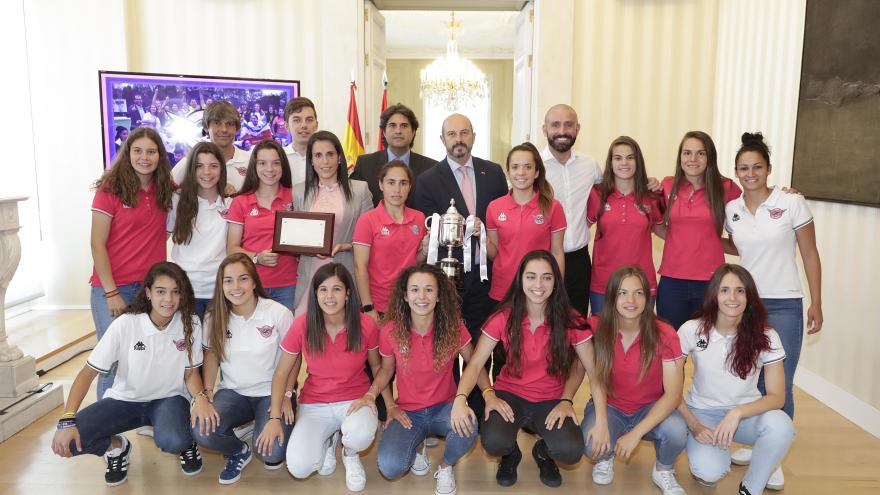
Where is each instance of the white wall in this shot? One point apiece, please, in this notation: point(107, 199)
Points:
point(756, 88)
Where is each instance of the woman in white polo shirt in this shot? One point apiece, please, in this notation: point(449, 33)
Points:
point(730, 343)
point(197, 220)
point(244, 329)
point(156, 343)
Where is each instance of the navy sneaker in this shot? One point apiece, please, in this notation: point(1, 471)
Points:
point(234, 465)
point(117, 465)
point(191, 460)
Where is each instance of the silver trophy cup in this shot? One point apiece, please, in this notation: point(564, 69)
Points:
point(451, 235)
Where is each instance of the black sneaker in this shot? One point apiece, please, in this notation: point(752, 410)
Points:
point(506, 475)
point(191, 460)
point(117, 466)
point(743, 490)
point(549, 472)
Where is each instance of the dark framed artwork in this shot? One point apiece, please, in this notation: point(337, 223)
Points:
point(837, 141)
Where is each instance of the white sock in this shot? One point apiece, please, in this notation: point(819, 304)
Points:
point(348, 452)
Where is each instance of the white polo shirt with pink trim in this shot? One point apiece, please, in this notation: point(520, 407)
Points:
point(201, 257)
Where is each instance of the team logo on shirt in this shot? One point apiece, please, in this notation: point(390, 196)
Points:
point(242, 171)
point(502, 217)
point(607, 207)
point(140, 346)
point(289, 206)
point(735, 217)
point(702, 344)
point(223, 212)
point(776, 213)
point(255, 212)
point(266, 330)
point(180, 345)
point(539, 219)
point(416, 230)
point(384, 232)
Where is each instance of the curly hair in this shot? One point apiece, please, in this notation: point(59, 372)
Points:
point(446, 316)
point(122, 180)
point(142, 304)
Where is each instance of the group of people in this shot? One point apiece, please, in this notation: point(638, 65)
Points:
point(373, 317)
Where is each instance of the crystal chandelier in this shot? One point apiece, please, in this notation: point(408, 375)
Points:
point(452, 81)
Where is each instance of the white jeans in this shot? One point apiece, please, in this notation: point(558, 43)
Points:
point(316, 424)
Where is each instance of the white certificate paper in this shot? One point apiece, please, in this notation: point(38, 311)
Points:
point(302, 232)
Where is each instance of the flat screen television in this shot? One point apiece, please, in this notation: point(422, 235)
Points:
point(173, 105)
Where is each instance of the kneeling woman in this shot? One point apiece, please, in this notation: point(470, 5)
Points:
point(534, 389)
point(421, 342)
point(730, 344)
point(336, 340)
point(157, 345)
point(639, 368)
point(245, 327)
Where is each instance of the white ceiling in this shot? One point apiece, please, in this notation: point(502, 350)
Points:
point(423, 34)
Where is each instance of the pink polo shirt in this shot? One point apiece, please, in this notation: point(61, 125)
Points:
point(418, 384)
point(520, 229)
point(258, 231)
point(693, 248)
point(623, 236)
point(629, 394)
point(533, 384)
point(393, 247)
point(137, 235)
point(335, 375)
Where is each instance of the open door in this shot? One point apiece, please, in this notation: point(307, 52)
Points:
point(374, 71)
point(522, 76)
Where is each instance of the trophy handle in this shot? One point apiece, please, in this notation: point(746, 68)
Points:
point(428, 221)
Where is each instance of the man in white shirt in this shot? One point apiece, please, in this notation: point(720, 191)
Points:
point(302, 122)
point(221, 122)
point(572, 175)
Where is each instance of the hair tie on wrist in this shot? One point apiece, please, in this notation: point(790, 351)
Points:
point(567, 400)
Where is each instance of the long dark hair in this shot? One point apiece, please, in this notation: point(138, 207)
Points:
point(558, 316)
point(605, 188)
point(541, 186)
point(122, 180)
point(186, 308)
point(341, 169)
point(251, 181)
point(605, 336)
point(218, 310)
point(751, 337)
point(188, 201)
point(447, 315)
point(713, 181)
point(316, 330)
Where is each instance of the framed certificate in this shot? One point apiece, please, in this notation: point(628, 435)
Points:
point(303, 232)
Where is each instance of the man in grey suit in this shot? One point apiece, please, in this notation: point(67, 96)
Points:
point(399, 125)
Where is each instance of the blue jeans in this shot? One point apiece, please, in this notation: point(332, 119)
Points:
point(770, 434)
point(597, 302)
point(669, 436)
point(786, 316)
point(102, 318)
point(397, 447)
point(678, 299)
point(235, 410)
point(283, 295)
point(201, 306)
point(169, 418)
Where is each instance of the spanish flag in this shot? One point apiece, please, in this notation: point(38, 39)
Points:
point(384, 106)
point(353, 143)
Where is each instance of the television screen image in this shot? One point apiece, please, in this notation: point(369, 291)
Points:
point(174, 104)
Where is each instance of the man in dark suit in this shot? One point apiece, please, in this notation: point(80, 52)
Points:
point(399, 125)
point(473, 183)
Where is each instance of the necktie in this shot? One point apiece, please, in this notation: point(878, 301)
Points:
point(467, 190)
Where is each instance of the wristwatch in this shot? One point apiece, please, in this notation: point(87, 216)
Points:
point(288, 394)
point(366, 308)
point(256, 258)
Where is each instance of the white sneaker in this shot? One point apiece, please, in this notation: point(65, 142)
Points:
point(355, 476)
point(741, 457)
point(329, 464)
point(146, 431)
point(667, 482)
point(243, 431)
point(776, 481)
point(431, 441)
point(421, 465)
point(445, 481)
point(603, 472)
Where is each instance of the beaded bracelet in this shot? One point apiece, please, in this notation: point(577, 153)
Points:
point(66, 423)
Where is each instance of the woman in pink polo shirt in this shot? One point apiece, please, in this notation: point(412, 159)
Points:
point(335, 339)
point(251, 218)
point(639, 368)
point(129, 213)
point(694, 200)
point(625, 211)
point(420, 343)
point(537, 328)
point(526, 219)
point(387, 239)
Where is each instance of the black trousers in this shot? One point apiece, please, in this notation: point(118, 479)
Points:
point(565, 444)
point(577, 279)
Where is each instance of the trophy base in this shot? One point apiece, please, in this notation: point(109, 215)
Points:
point(452, 268)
